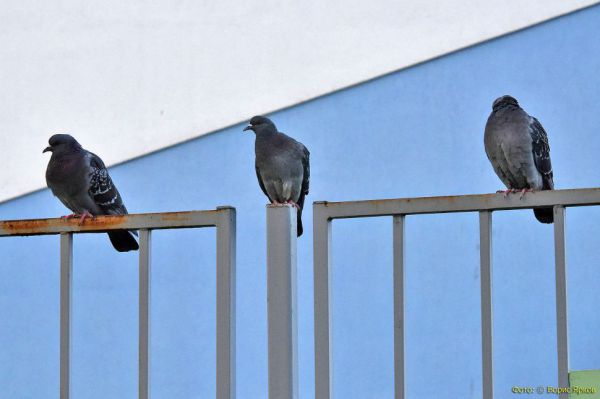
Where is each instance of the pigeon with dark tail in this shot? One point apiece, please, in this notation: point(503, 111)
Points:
point(282, 165)
point(79, 179)
point(517, 146)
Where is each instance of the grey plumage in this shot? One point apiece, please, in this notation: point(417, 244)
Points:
point(517, 146)
point(282, 165)
point(79, 179)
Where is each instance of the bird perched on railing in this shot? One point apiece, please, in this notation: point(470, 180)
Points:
point(79, 179)
point(517, 146)
point(282, 166)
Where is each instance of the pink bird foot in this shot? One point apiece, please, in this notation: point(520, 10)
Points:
point(506, 192)
point(293, 203)
point(525, 190)
point(85, 215)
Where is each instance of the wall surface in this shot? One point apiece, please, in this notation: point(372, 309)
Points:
point(417, 132)
point(133, 77)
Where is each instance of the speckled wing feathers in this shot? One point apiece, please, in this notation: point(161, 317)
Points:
point(102, 190)
point(541, 153)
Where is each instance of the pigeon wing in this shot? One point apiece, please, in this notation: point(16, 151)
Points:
point(102, 189)
point(541, 153)
point(260, 182)
point(305, 176)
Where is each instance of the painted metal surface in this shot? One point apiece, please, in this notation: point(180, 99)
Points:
point(399, 258)
point(562, 325)
point(282, 302)
point(325, 212)
point(144, 314)
point(226, 302)
point(458, 203)
point(223, 218)
point(155, 221)
point(66, 311)
point(487, 342)
point(322, 304)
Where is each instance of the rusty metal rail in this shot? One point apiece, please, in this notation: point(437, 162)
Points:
point(398, 209)
point(223, 218)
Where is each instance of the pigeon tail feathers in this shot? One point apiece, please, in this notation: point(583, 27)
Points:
point(300, 229)
point(123, 241)
point(544, 215)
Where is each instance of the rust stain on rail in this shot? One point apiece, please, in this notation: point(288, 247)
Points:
point(25, 225)
point(34, 226)
point(99, 223)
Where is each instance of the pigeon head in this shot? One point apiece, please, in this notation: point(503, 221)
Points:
point(261, 124)
point(504, 101)
point(62, 142)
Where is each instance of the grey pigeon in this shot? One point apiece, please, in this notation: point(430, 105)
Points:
point(282, 165)
point(81, 182)
point(517, 146)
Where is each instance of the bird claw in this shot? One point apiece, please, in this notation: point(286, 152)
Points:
point(71, 216)
point(290, 202)
point(85, 215)
point(525, 190)
point(506, 192)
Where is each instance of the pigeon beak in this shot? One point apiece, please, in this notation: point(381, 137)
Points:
point(47, 149)
point(249, 127)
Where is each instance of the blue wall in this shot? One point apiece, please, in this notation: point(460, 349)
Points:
point(417, 132)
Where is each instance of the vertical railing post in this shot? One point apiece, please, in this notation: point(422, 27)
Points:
point(281, 302)
point(398, 242)
point(485, 256)
point(144, 315)
point(226, 264)
point(560, 259)
point(66, 293)
point(322, 271)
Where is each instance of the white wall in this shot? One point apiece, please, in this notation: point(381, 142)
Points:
point(128, 79)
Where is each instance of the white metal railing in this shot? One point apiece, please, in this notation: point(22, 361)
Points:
point(398, 209)
point(281, 279)
point(223, 218)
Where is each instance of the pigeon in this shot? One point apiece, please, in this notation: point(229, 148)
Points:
point(517, 146)
point(282, 166)
point(79, 179)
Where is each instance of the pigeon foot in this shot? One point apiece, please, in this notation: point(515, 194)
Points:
point(506, 192)
point(71, 216)
point(525, 190)
point(290, 202)
point(85, 215)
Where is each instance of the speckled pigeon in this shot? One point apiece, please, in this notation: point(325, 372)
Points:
point(517, 146)
point(282, 165)
point(81, 182)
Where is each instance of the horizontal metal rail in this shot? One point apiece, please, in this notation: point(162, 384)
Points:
point(154, 221)
point(324, 212)
point(459, 203)
point(223, 218)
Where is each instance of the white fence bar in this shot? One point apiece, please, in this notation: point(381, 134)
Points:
point(398, 232)
point(226, 272)
point(562, 341)
point(66, 291)
point(485, 254)
point(322, 268)
point(281, 302)
point(154, 221)
point(223, 218)
point(144, 316)
point(324, 212)
point(459, 203)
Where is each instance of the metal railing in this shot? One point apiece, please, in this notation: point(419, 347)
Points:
point(325, 212)
point(223, 218)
